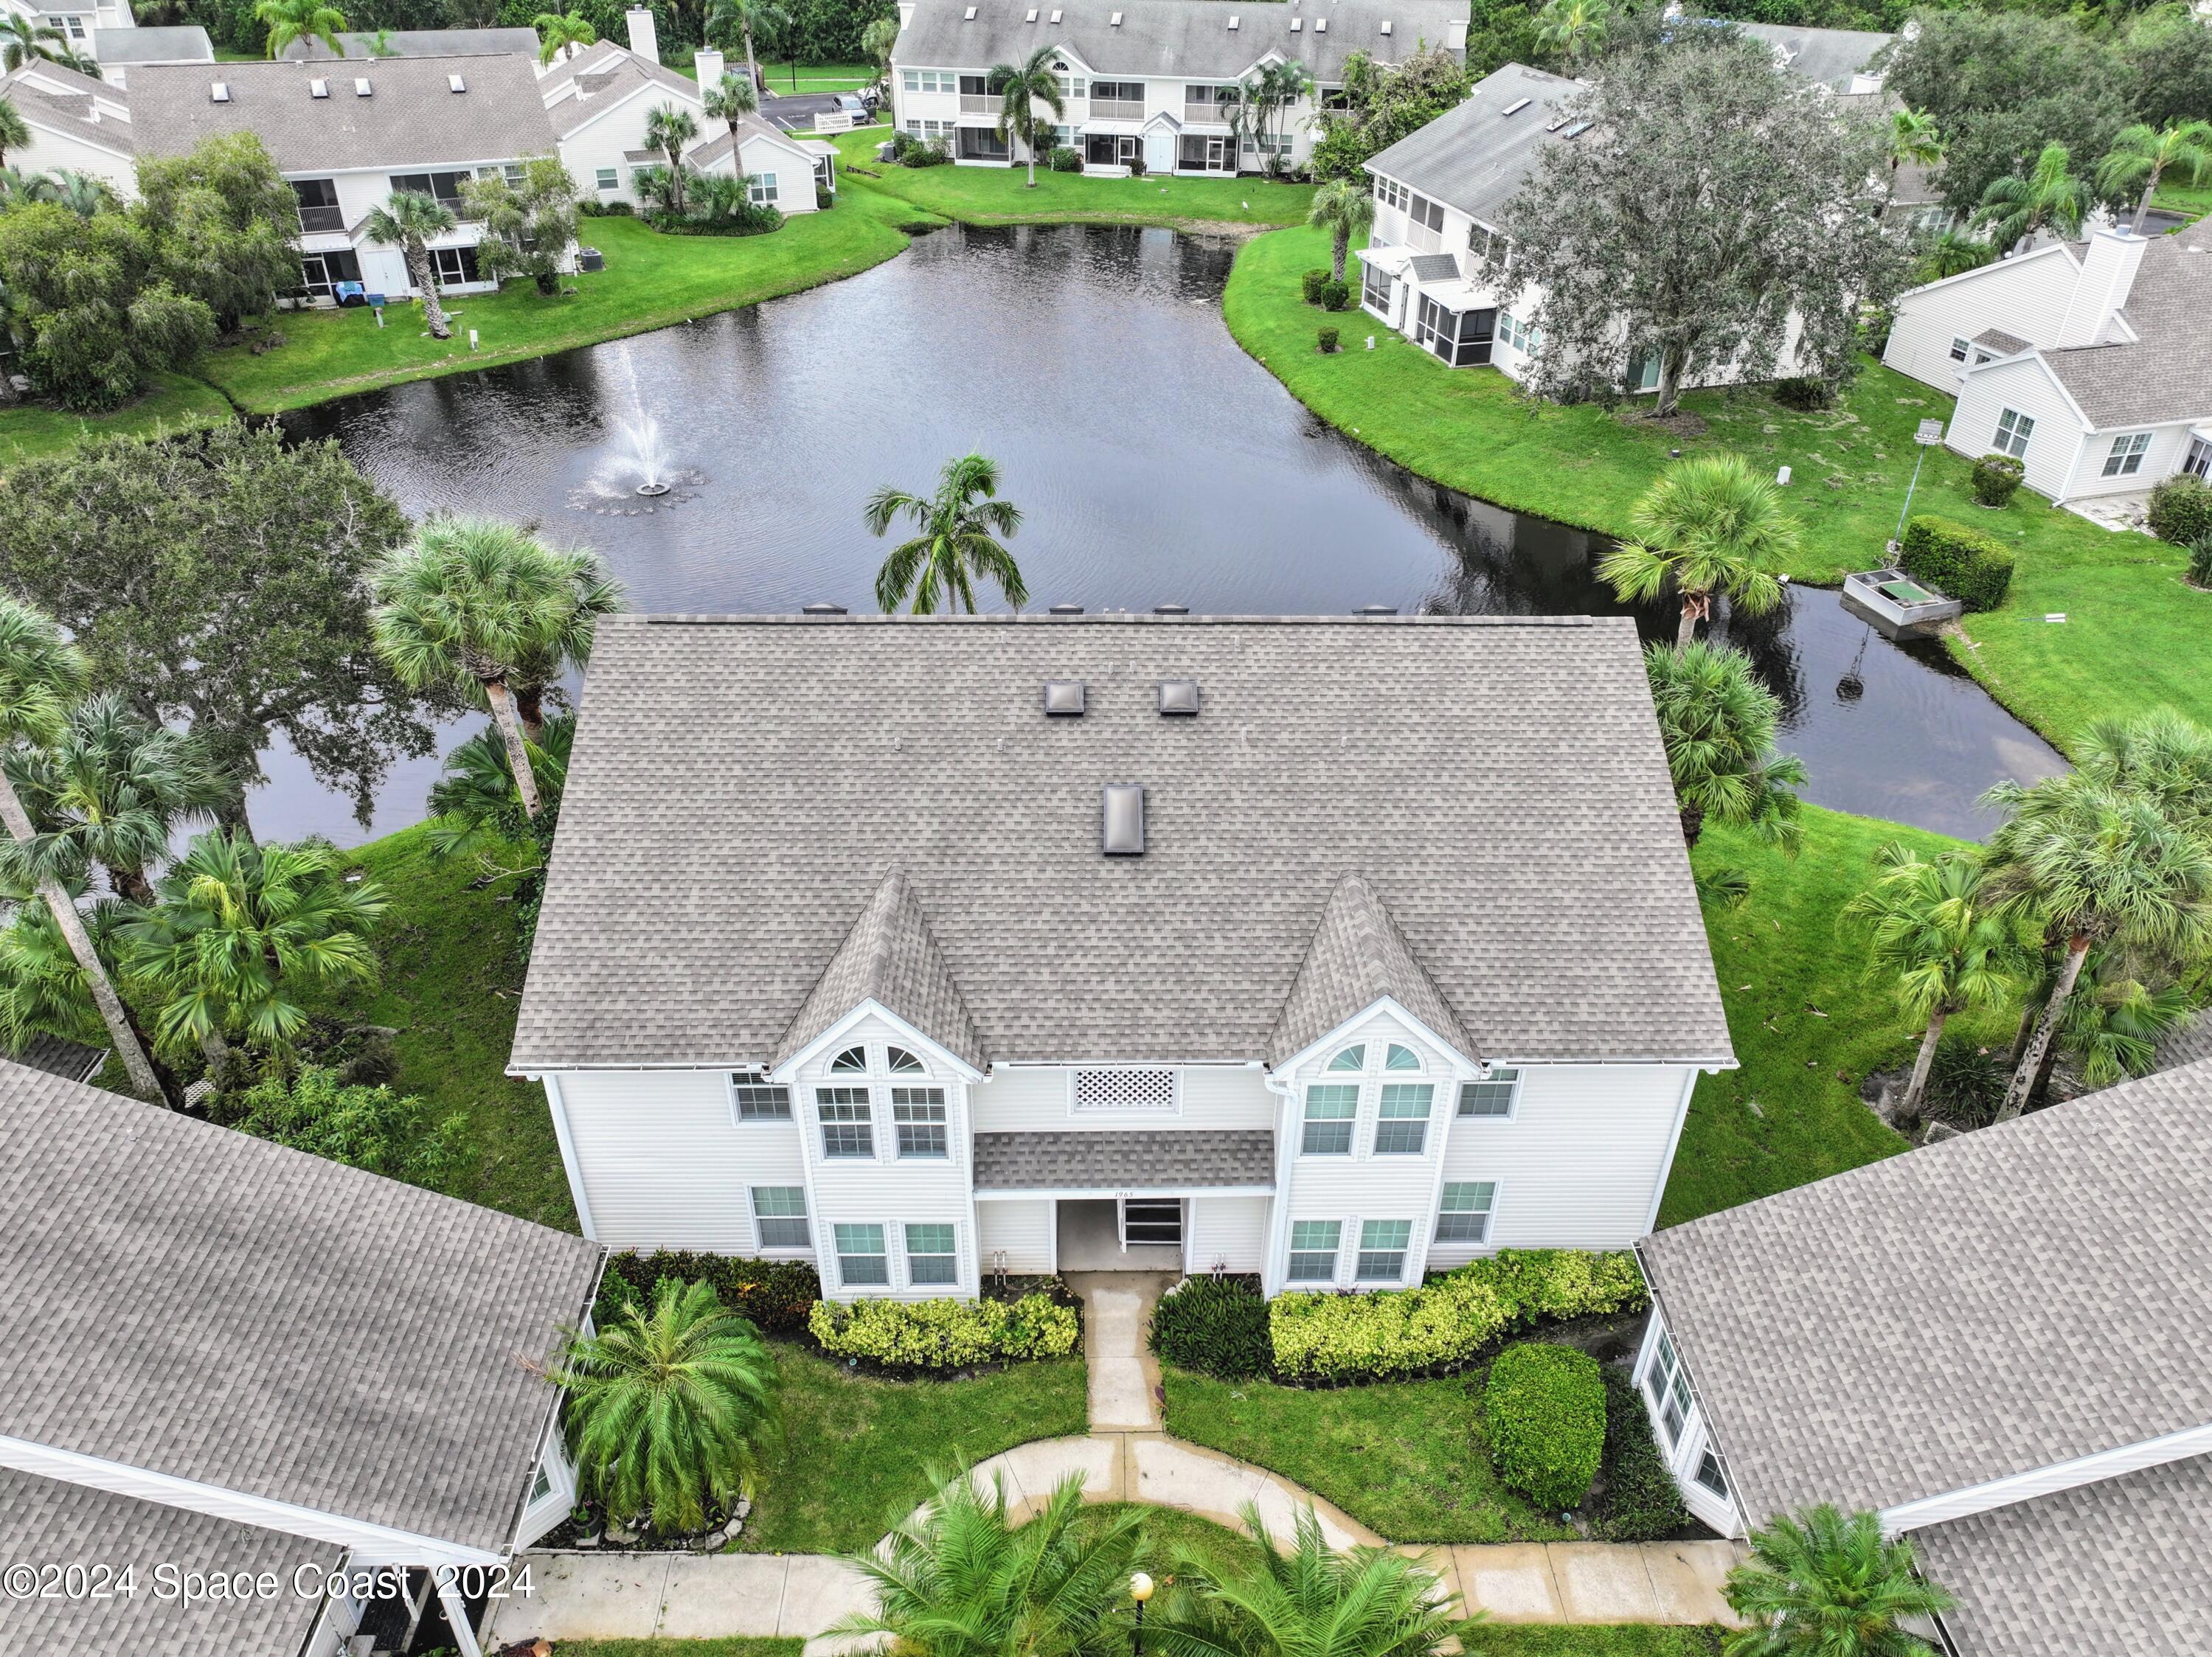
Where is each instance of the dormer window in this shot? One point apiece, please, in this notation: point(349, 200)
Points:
point(899, 1062)
point(852, 1061)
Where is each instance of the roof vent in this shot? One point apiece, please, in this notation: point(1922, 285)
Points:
point(1179, 697)
point(1321, 26)
point(1123, 819)
point(1386, 26)
point(968, 15)
point(1031, 17)
point(1065, 609)
point(822, 610)
point(219, 91)
point(1115, 21)
point(1063, 699)
point(1054, 18)
point(1232, 21)
point(362, 87)
point(1514, 107)
point(1296, 23)
point(1376, 609)
point(319, 87)
point(455, 84)
point(1171, 610)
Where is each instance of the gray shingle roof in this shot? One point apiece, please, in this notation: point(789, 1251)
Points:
point(2167, 374)
point(1172, 37)
point(1998, 340)
point(43, 1521)
point(1358, 957)
point(61, 100)
point(1497, 781)
point(1074, 1160)
point(1433, 267)
point(422, 43)
point(890, 957)
point(57, 1056)
point(605, 74)
point(2118, 1566)
point(189, 1299)
point(2005, 1300)
point(1828, 58)
point(1474, 157)
point(182, 44)
point(412, 118)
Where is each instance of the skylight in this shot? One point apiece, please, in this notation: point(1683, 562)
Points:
point(1514, 107)
point(1122, 827)
point(1232, 20)
point(1321, 26)
point(362, 87)
point(1576, 129)
point(1115, 21)
point(1386, 26)
point(219, 91)
point(319, 87)
point(1296, 23)
point(455, 84)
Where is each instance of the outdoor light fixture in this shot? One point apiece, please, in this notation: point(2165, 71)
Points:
point(1140, 1589)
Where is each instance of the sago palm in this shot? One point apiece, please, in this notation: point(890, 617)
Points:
point(474, 602)
point(2144, 157)
point(1023, 86)
point(559, 32)
point(1822, 1585)
point(408, 220)
point(668, 128)
point(958, 1580)
point(1944, 943)
point(42, 676)
point(1572, 29)
point(302, 20)
point(1345, 210)
point(939, 567)
point(1310, 1601)
point(1710, 524)
point(1717, 724)
point(2013, 207)
point(669, 1409)
point(15, 132)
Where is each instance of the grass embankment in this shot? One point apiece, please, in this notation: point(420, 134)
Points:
point(28, 432)
point(2134, 631)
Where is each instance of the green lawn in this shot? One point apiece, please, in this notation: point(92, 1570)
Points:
point(1406, 1458)
point(735, 1646)
point(857, 1451)
point(2133, 623)
point(817, 77)
point(28, 432)
point(2194, 199)
point(1539, 1640)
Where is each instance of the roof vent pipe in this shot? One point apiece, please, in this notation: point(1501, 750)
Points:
point(1123, 821)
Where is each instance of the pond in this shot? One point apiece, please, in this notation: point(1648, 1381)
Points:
point(1154, 462)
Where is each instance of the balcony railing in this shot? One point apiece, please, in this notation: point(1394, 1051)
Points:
point(1117, 109)
point(1214, 114)
point(1422, 240)
point(980, 103)
point(314, 219)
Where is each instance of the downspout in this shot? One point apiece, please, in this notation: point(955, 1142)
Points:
point(1278, 1212)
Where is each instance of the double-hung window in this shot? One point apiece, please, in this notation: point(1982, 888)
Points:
point(1330, 1108)
point(1313, 1250)
point(2014, 430)
point(848, 1124)
point(780, 1216)
point(2126, 457)
point(930, 1257)
point(1491, 1097)
point(861, 1263)
point(756, 1099)
point(609, 178)
point(918, 1115)
point(760, 189)
point(1668, 1387)
point(1401, 1128)
point(1960, 345)
point(1382, 1245)
point(1463, 1216)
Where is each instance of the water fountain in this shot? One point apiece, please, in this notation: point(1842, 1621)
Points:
point(637, 467)
point(641, 442)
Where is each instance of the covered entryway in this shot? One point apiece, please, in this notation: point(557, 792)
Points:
point(1120, 1234)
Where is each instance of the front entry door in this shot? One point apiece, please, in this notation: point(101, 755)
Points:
point(1152, 1221)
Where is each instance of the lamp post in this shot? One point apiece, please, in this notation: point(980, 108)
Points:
point(1140, 1589)
point(1930, 434)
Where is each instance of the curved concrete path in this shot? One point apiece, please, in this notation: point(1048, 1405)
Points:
point(1126, 1457)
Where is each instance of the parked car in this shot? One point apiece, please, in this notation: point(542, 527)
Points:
point(860, 106)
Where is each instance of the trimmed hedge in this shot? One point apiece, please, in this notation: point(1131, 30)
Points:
point(776, 1294)
point(2181, 509)
point(1448, 1320)
point(1966, 563)
point(1216, 1325)
point(946, 1334)
point(1543, 1411)
point(1640, 1501)
point(1335, 296)
point(1311, 283)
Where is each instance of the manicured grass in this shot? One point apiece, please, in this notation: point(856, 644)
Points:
point(858, 1451)
point(1406, 1458)
point(1616, 1640)
point(1807, 1025)
point(2193, 199)
point(27, 432)
point(2134, 628)
point(735, 1646)
point(817, 77)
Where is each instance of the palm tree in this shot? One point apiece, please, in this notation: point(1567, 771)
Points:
point(1709, 525)
point(669, 1409)
point(2014, 209)
point(302, 20)
point(729, 101)
point(111, 789)
point(1573, 28)
point(1309, 1602)
point(1944, 943)
point(42, 675)
point(22, 40)
point(15, 133)
point(592, 593)
point(471, 600)
point(955, 546)
point(1344, 210)
point(42, 988)
point(240, 935)
point(1024, 85)
point(1261, 98)
point(668, 128)
point(408, 221)
point(876, 41)
point(475, 796)
point(1717, 724)
point(1914, 137)
point(1822, 1585)
point(16, 185)
point(745, 17)
point(83, 194)
point(958, 1580)
point(560, 31)
point(2141, 159)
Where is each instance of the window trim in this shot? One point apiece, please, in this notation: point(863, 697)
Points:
point(761, 189)
point(1335, 1253)
point(755, 1081)
point(866, 1123)
point(837, 1067)
point(2022, 433)
point(1667, 1358)
point(1428, 1091)
point(1487, 1214)
point(2125, 457)
point(804, 1218)
point(1350, 1123)
point(950, 1254)
point(1404, 1251)
point(1498, 1073)
point(606, 179)
point(1961, 348)
point(881, 1253)
point(942, 1124)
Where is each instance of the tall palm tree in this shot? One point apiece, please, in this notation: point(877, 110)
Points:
point(240, 935)
point(668, 128)
point(42, 988)
point(1261, 101)
point(408, 221)
point(1573, 28)
point(1717, 724)
point(111, 789)
point(1913, 137)
point(560, 31)
point(1709, 525)
point(1344, 210)
point(592, 593)
point(471, 600)
point(302, 20)
point(2014, 208)
point(1024, 85)
point(876, 40)
point(729, 100)
point(744, 18)
point(1945, 944)
point(15, 133)
point(669, 1409)
point(957, 546)
point(2141, 157)
point(42, 675)
point(23, 38)
point(958, 1580)
point(1308, 1602)
point(1822, 1585)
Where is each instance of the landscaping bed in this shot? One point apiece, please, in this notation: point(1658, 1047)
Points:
point(1483, 1639)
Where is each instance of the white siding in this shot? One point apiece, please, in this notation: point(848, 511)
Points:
point(2025, 386)
point(2025, 296)
point(1022, 1231)
point(1687, 1450)
point(2169, 445)
point(1036, 1098)
point(1228, 1232)
point(601, 142)
point(51, 150)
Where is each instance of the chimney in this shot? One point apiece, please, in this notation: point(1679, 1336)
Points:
point(906, 14)
point(1455, 35)
point(708, 63)
point(2108, 272)
point(644, 39)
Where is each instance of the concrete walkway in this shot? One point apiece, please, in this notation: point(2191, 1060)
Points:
point(1124, 1457)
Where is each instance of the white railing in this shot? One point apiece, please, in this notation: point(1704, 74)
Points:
point(1422, 240)
point(980, 103)
point(1218, 114)
point(1117, 109)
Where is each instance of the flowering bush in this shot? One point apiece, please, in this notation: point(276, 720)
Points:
point(945, 1334)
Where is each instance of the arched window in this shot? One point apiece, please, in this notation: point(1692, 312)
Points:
point(1353, 1057)
point(902, 1062)
point(1400, 1057)
point(851, 1059)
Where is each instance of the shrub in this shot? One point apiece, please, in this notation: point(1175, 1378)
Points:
point(1638, 1500)
point(1543, 1410)
point(1550, 1284)
point(1966, 564)
point(618, 210)
point(1804, 395)
point(1965, 1085)
point(321, 1112)
point(1335, 296)
point(936, 152)
point(776, 1294)
point(1064, 160)
point(2181, 509)
point(1996, 478)
point(1216, 1325)
point(945, 1334)
point(1311, 283)
point(1328, 338)
point(2200, 559)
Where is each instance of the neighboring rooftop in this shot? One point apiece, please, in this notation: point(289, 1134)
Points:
point(195, 1301)
point(2004, 1301)
point(181, 44)
point(57, 1056)
point(1498, 783)
point(1475, 156)
point(2167, 374)
point(362, 46)
point(1828, 58)
point(61, 100)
